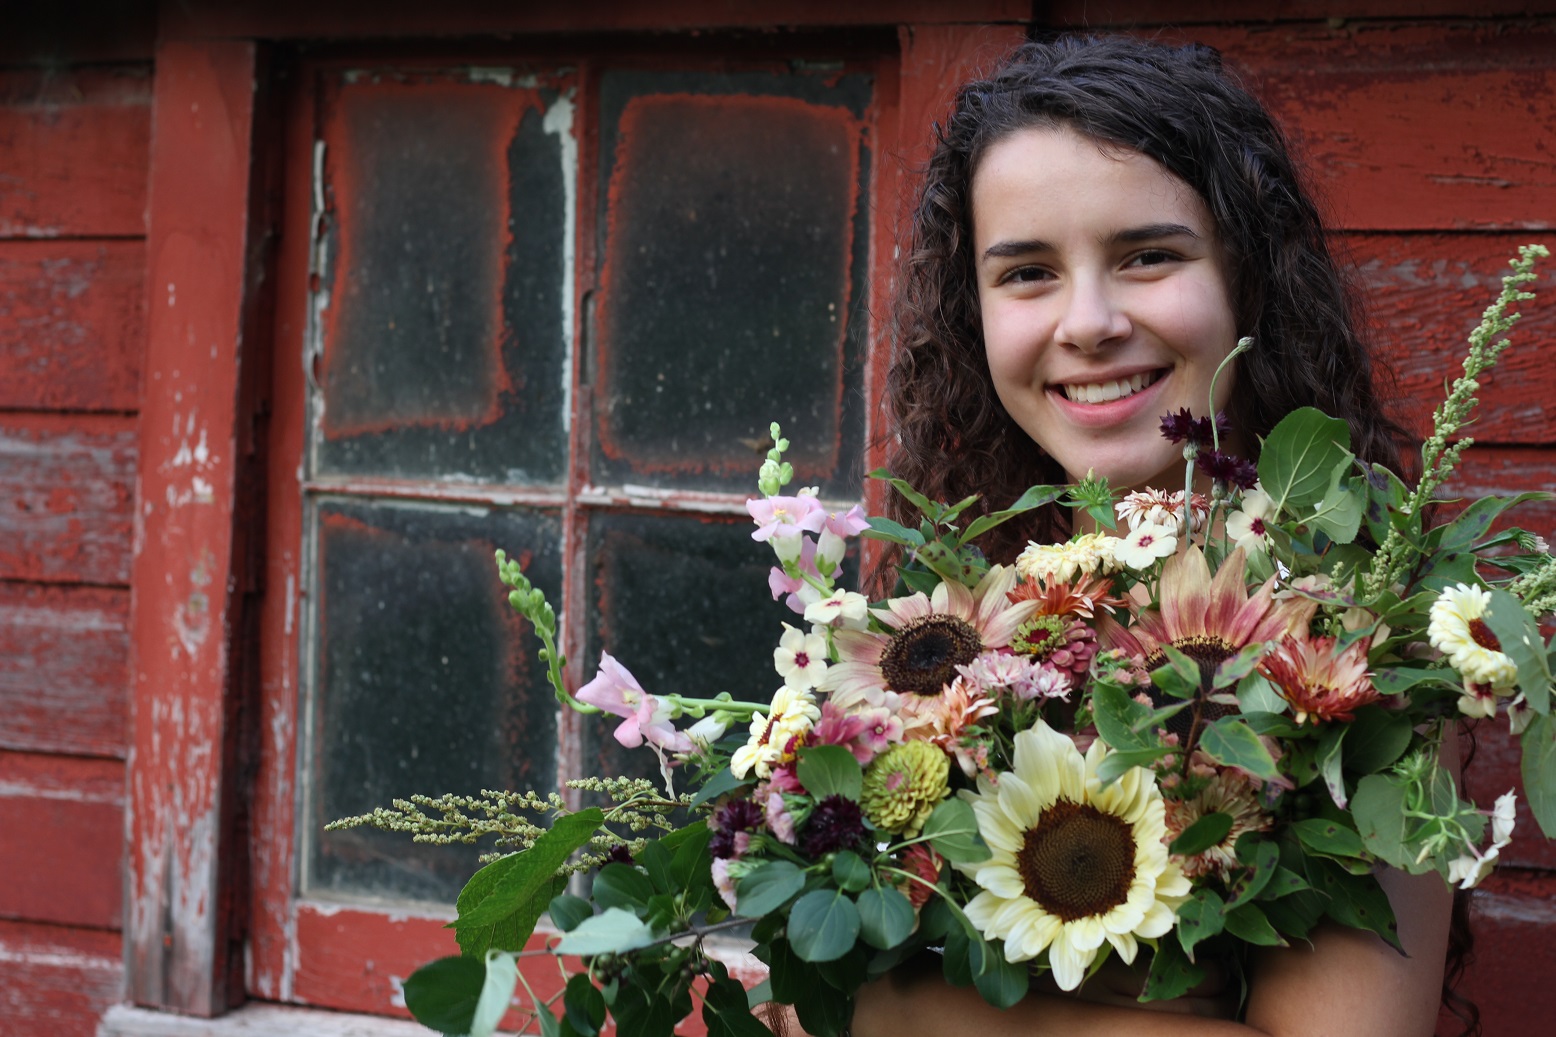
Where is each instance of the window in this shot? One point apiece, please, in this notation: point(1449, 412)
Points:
point(550, 308)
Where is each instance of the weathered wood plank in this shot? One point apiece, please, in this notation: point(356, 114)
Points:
point(1414, 126)
point(1493, 770)
point(64, 669)
point(75, 146)
point(71, 324)
point(1425, 294)
point(67, 483)
point(58, 981)
point(1513, 917)
point(1507, 470)
point(61, 839)
point(183, 870)
point(1096, 14)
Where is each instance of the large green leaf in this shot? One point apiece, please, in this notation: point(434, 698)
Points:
point(1002, 983)
point(952, 829)
point(1250, 925)
point(1200, 917)
point(1355, 900)
point(1232, 743)
point(442, 995)
point(830, 770)
point(725, 1013)
point(1338, 516)
point(1328, 837)
point(1034, 497)
point(1377, 738)
point(585, 1005)
point(823, 925)
point(1519, 635)
point(567, 911)
point(850, 871)
point(885, 917)
point(1539, 771)
point(623, 886)
point(722, 782)
point(1204, 833)
point(1299, 458)
point(1379, 809)
point(611, 932)
point(768, 888)
point(501, 903)
point(1172, 973)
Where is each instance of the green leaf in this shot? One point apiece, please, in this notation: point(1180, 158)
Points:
point(1002, 983)
point(1394, 680)
point(443, 994)
point(1265, 866)
point(830, 770)
point(759, 994)
point(501, 903)
point(823, 925)
point(1200, 917)
point(1232, 743)
point(726, 1014)
point(1180, 677)
point(654, 859)
point(611, 932)
point(691, 868)
point(885, 917)
point(1126, 724)
point(1299, 457)
point(722, 782)
point(1255, 694)
point(1520, 637)
point(942, 561)
point(1034, 497)
point(585, 1005)
point(1120, 762)
point(823, 1010)
point(952, 829)
point(644, 1013)
point(1539, 771)
point(850, 871)
point(567, 911)
point(1338, 516)
point(1355, 900)
point(1235, 669)
point(1204, 833)
point(768, 888)
point(1329, 759)
point(1250, 925)
point(787, 973)
point(925, 506)
point(1377, 738)
point(886, 529)
point(1329, 838)
point(1172, 973)
point(1471, 523)
point(623, 886)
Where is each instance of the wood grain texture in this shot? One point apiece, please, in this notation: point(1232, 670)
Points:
point(1513, 916)
point(75, 145)
point(1424, 294)
point(67, 483)
point(58, 981)
point(1413, 126)
point(1507, 470)
point(64, 669)
point(1123, 13)
point(61, 839)
point(71, 324)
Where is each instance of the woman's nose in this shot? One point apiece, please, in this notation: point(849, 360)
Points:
point(1093, 317)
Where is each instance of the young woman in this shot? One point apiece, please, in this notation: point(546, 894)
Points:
point(1100, 223)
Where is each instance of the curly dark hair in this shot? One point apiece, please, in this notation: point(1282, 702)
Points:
point(1179, 106)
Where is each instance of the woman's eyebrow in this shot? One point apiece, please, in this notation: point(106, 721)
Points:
point(1013, 249)
point(1151, 232)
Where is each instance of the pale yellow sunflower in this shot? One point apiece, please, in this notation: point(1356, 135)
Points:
point(1074, 864)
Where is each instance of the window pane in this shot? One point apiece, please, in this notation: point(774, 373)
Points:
point(734, 248)
point(444, 334)
point(683, 603)
point(426, 682)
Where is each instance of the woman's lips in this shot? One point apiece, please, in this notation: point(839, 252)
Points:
point(1119, 408)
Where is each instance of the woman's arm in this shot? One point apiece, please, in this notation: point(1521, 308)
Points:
point(1347, 982)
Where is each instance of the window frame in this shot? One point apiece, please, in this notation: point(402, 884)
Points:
point(210, 920)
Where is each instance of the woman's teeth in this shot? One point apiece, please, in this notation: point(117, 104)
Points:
point(1103, 392)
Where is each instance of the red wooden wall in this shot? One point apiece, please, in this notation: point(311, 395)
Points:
point(1430, 127)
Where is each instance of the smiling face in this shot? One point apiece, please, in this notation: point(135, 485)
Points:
point(1105, 301)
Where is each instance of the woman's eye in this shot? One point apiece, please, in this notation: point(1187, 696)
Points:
point(1026, 275)
point(1153, 257)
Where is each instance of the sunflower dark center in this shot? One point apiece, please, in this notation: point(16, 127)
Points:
point(1483, 636)
point(1077, 861)
point(1208, 653)
point(923, 656)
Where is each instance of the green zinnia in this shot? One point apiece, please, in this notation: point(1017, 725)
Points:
point(902, 786)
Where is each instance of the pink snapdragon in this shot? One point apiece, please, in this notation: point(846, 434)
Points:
point(646, 718)
point(785, 516)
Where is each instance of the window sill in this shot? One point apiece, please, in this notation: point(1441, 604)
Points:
point(255, 1019)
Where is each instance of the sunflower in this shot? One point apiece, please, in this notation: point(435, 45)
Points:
point(927, 638)
point(1209, 620)
point(1073, 863)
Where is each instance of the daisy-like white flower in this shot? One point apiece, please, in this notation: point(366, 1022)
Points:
point(1161, 508)
point(1456, 627)
point(842, 608)
point(1146, 544)
point(1228, 792)
point(1318, 681)
point(1246, 527)
point(1073, 864)
point(1209, 620)
point(1086, 555)
point(777, 736)
point(1469, 868)
point(927, 638)
point(800, 658)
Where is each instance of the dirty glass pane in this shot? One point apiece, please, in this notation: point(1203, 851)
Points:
point(683, 603)
point(444, 342)
point(426, 681)
point(731, 286)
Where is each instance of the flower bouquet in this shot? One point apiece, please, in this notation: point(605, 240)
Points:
point(1203, 725)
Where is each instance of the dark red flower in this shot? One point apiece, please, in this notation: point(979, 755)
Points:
point(835, 824)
